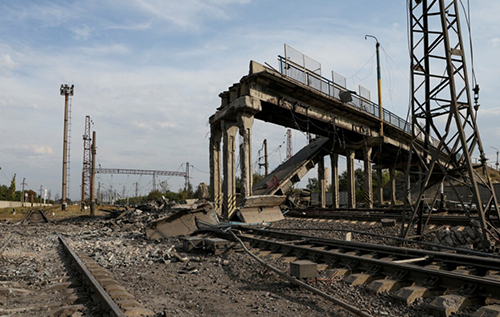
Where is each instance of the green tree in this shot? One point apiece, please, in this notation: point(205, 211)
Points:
point(154, 195)
point(313, 184)
point(3, 192)
point(12, 189)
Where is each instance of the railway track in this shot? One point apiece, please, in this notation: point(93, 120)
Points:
point(377, 215)
point(453, 281)
point(37, 280)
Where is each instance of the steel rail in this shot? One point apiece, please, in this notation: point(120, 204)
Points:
point(486, 262)
point(402, 240)
point(367, 216)
point(483, 286)
point(6, 243)
point(314, 290)
point(108, 303)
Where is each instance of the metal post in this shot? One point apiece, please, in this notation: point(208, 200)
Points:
point(65, 91)
point(186, 185)
point(379, 83)
point(266, 163)
point(22, 193)
point(92, 176)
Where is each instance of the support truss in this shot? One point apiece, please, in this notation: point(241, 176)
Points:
point(444, 126)
point(86, 172)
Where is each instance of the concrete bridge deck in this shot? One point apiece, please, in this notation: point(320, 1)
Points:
point(298, 99)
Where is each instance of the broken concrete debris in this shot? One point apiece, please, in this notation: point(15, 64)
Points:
point(182, 222)
point(164, 219)
point(262, 208)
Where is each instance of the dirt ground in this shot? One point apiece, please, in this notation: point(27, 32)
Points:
point(202, 284)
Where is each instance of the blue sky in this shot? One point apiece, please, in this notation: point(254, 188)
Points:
point(149, 73)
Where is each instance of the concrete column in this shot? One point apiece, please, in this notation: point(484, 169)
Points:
point(230, 129)
point(380, 188)
point(367, 153)
point(392, 174)
point(245, 122)
point(334, 158)
point(215, 179)
point(322, 183)
point(408, 187)
point(351, 186)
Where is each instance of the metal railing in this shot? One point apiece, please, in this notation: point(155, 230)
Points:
point(329, 88)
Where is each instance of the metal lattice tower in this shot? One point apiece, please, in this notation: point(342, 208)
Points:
point(87, 160)
point(444, 126)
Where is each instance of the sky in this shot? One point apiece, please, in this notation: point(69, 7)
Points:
point(149, 72)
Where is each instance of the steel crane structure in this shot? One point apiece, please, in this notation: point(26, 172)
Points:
point(443, 110)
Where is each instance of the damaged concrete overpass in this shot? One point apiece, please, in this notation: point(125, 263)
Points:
point(297, 98)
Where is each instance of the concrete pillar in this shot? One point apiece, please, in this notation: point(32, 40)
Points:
point(367, 157)
point(351, 186)
point(322, 183)
point(334, 158)
point(408, 187)
point(380, 188)
point(229, 130)
point(392, 174)
point(215, 179)
point(245, 122)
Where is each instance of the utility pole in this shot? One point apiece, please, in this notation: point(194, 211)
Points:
point(379, 84)
point(92, 176)
point(65, 91)
point(41, 188)
point(99, 192)
point(266, 163)
point(136, 190)
point(187, 177)
point(22, 193)
point(496, 164)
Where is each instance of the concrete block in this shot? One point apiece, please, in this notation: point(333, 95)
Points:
point(358, 279)
point(288, 259)
point(217, 245)
point(409, 294)
point(334, 273)
point(105, 282)
point(383, 286)
point(388, 222)
point(192, 243)
point(465, 270)
point(488, 311)
point(303, 269)
point(447, 305)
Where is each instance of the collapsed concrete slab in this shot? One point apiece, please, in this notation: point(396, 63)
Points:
point(262, 208)
point(183, 222)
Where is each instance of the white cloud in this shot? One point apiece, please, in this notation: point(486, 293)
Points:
point(104, 50)
point(7, 64)
point(81, 33)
